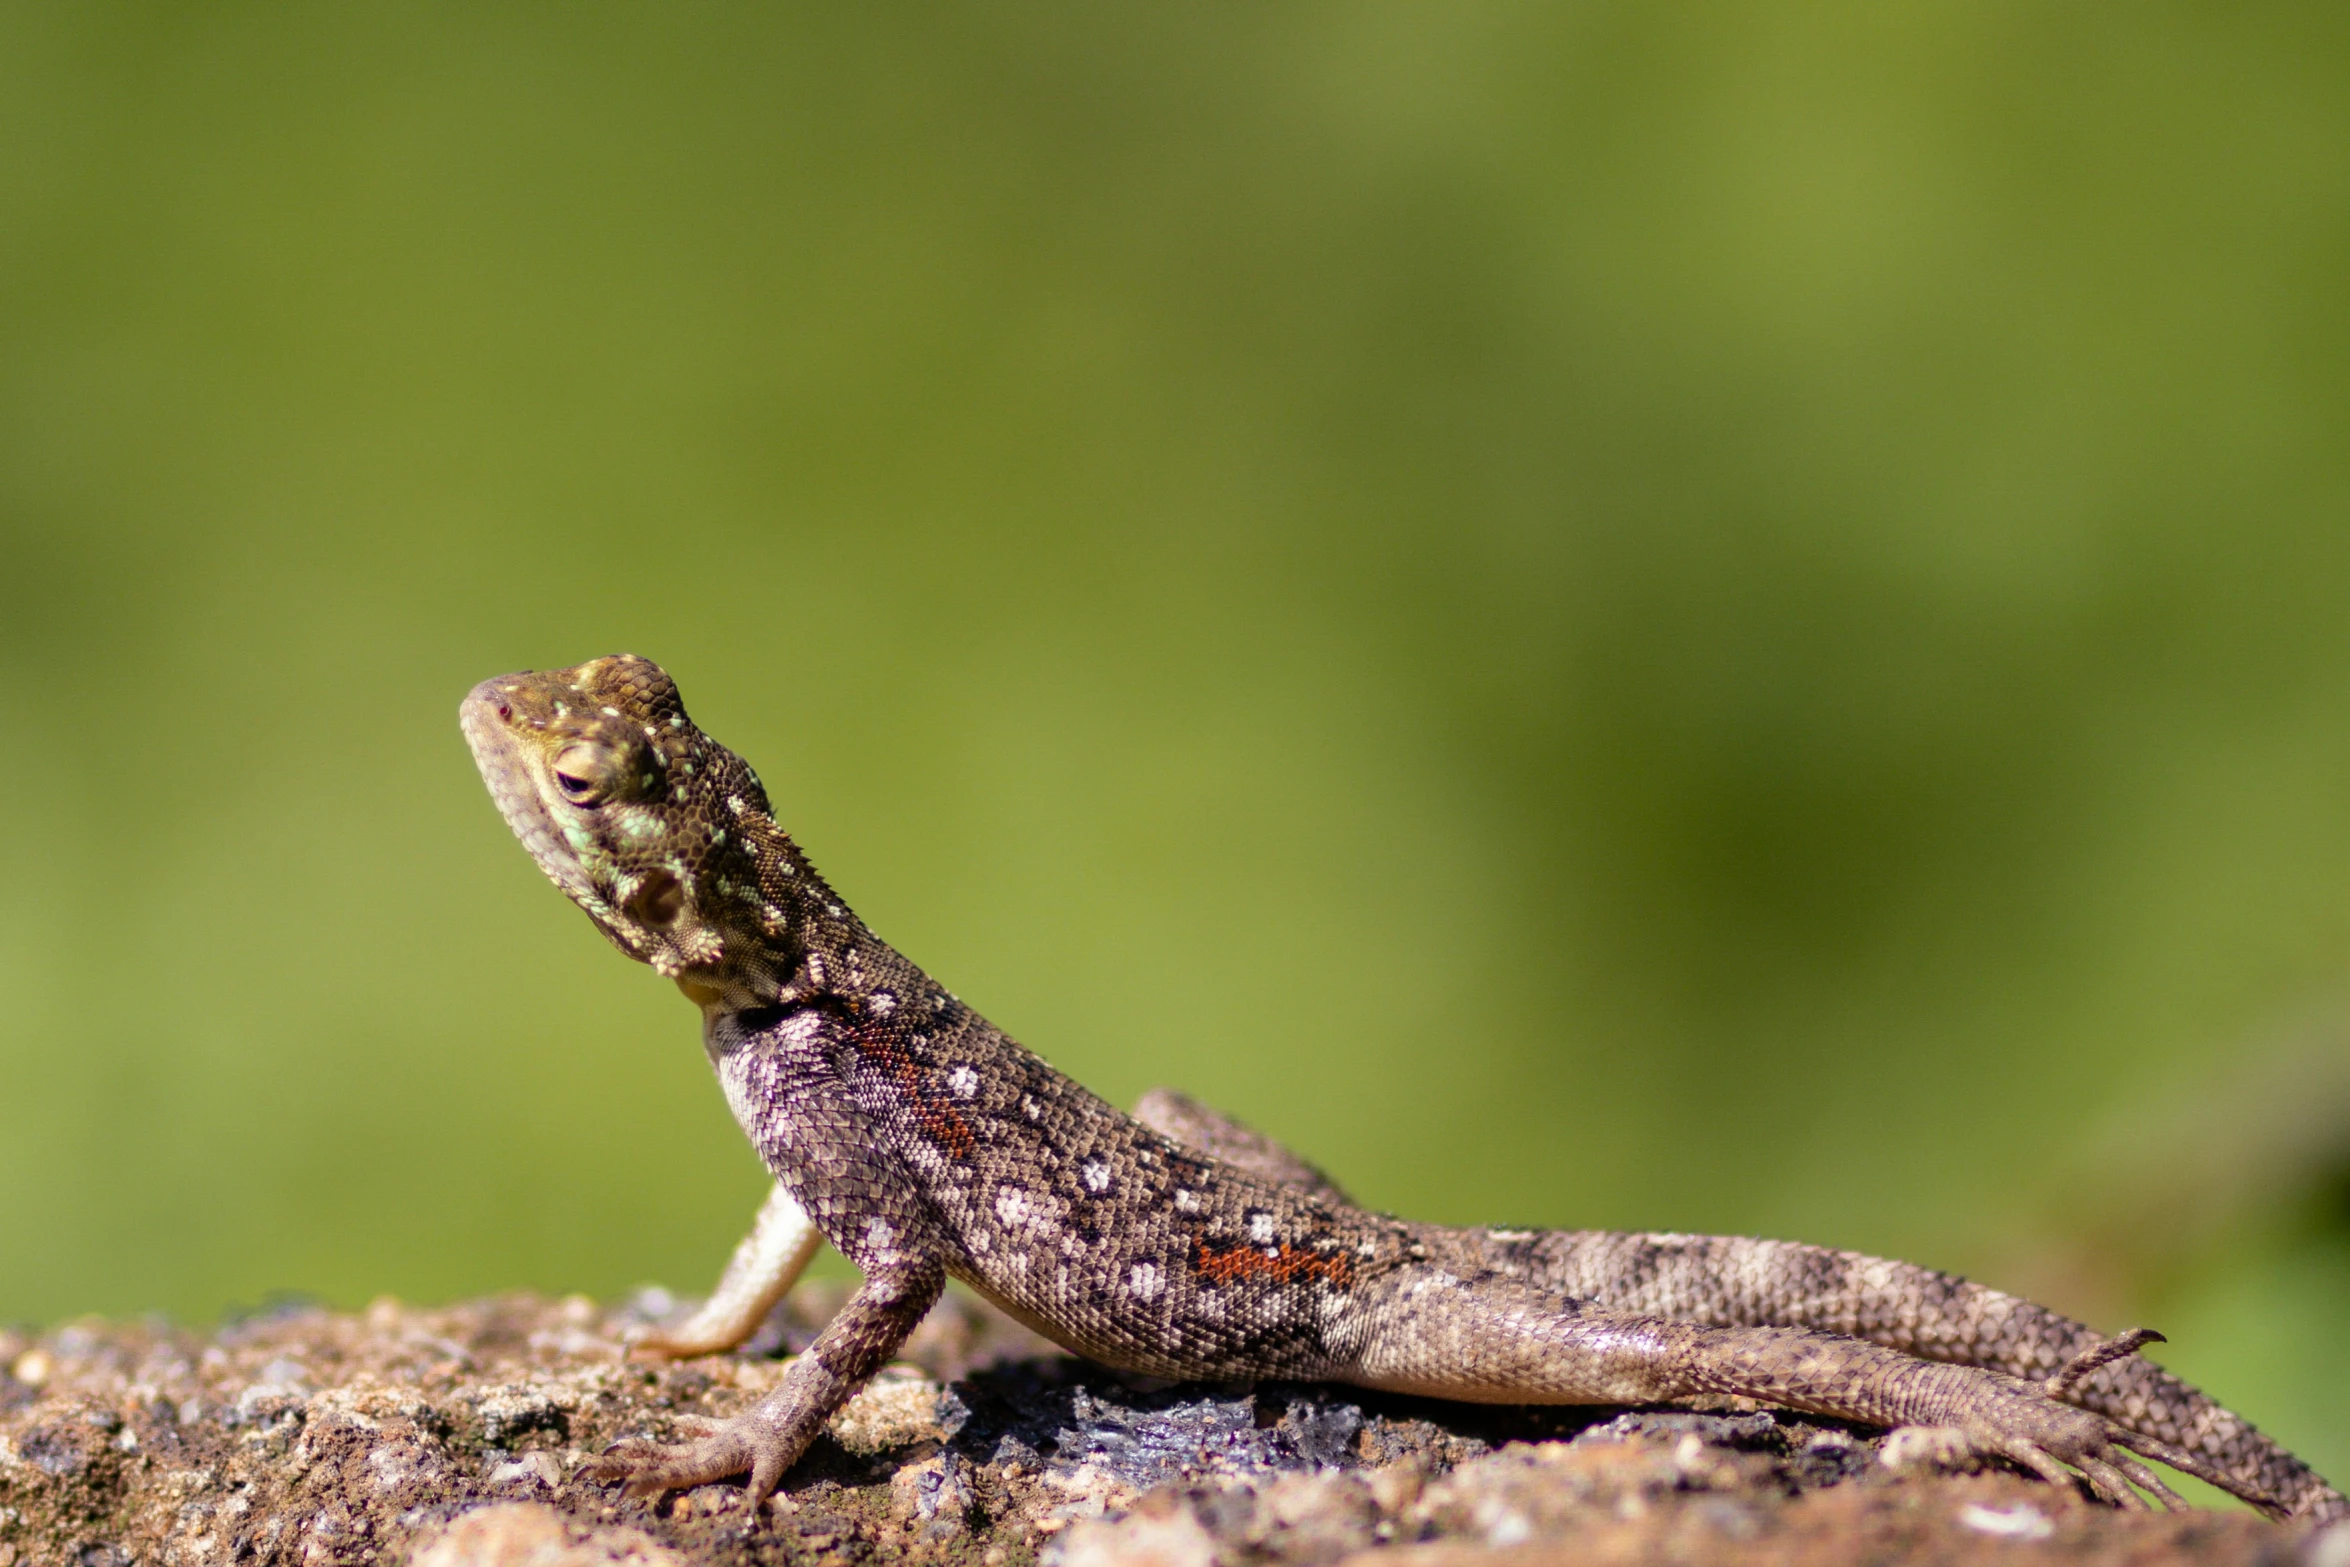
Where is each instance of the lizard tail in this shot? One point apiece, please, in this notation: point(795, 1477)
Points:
point(1731, 1281)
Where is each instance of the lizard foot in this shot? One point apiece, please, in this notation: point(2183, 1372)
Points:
point(729, 1447)
point(2063, 1445)
point(2034, 1425)
point(2109, 1473)
point(651, 1345)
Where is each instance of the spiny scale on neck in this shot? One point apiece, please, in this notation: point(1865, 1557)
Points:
point(662, 835)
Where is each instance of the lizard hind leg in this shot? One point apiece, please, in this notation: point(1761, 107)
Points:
point(764, 1267)
point(1493, 1341)
point(1185, 1120)
point(1733, 1280)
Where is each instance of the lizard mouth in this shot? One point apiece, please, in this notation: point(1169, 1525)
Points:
point(487, 716)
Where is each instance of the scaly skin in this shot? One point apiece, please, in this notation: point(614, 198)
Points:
point(924, 1144)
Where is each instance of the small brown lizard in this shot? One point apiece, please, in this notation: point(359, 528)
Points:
point(924, 1144)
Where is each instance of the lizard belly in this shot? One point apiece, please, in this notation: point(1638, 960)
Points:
point(1170, 1308)
point(1123, 1356)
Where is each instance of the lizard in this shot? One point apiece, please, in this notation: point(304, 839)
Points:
point(923, 1143)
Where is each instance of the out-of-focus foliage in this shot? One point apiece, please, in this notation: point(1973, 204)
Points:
point(1712, 618)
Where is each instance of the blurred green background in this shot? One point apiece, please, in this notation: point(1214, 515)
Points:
point(1710, 618)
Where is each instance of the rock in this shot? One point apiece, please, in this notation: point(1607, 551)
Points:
point(526, 1534)
point(898, 1408)
point(1159, 1533)
point(309, 1438)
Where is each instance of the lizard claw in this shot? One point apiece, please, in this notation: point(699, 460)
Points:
point(649, 1469)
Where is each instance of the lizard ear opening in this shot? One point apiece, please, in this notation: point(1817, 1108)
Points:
point(657, 900)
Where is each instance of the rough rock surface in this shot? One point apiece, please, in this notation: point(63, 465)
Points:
point(447, 1438)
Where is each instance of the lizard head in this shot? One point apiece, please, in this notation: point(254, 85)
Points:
point(649, 825)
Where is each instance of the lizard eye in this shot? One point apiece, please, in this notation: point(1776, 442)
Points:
point(583, 773)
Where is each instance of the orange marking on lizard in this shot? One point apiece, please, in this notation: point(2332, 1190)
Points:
point(1284, 1266)
point(939, 1120)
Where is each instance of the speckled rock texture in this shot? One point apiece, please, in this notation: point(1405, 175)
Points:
point(447, 1438)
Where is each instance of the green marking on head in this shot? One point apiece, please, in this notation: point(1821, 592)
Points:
point(620, 800)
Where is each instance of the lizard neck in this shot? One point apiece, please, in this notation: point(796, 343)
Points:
point(808, 948)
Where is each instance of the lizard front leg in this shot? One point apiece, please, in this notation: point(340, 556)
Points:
point(764, 1267)
point(780, 1074)
point(1492, 1341)
point(768, 1439)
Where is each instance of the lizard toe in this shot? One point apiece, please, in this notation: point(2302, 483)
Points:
point(2034, 1457)
point(2109, 1483)
point(2146, 1480)
point(2049, 1436)
point(648, 1469)
point(745, 1446)
point(767, 1469)
point(2066, 1446)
